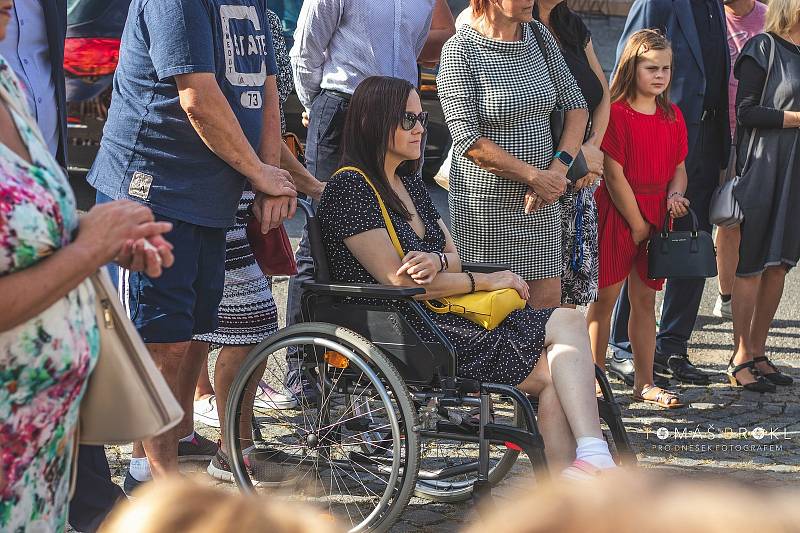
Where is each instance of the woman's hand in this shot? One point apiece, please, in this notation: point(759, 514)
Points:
point(147, 255)
point(548, 185)
point(640, 232)
point(112, 228)
point(421, 266)
point(677, 205)
point(504, 279)
point(532, 201)
point(594, 158)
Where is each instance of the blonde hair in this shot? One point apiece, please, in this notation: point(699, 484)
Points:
point(623, 86)
point(632, 502)
point(178, 505)
point(782, 15)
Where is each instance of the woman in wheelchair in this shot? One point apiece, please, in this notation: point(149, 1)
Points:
point(383, 136)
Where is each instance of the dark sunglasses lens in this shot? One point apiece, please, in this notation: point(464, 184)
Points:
point(423, 119)
point(409, 121)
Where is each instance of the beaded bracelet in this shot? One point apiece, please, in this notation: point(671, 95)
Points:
point(471, 281)
point(442, 260)
point(446, 261)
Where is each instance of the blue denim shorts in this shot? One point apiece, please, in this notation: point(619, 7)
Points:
point(184, 300)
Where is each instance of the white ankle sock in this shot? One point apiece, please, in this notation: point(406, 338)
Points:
point(140, 469)
point(188, 438)
point(595, 452)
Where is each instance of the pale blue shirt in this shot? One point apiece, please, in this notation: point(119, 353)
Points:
point(27, 52)
point(339, 43)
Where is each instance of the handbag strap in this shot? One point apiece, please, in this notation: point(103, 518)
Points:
point(443, 307)
point(761, 100)
point(386, 219)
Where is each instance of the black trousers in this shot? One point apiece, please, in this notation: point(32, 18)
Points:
point(95, 493)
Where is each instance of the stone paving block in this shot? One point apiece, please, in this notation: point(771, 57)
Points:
point(423, 517)
point(403, 527)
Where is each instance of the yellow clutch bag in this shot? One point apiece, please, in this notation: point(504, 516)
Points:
point(485, 308)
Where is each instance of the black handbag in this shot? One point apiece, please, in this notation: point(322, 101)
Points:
point(681, 254)
point(579, 168)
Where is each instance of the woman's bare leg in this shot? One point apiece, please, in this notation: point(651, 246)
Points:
point(642, 330)
point(572, 371)
point(743, 303)
point(204, 388)
point(559, 444)
point(545, 293)
point(727, 241)
point(770, 291)
point(599, 320)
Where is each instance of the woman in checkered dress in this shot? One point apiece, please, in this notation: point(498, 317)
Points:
point(497, 95)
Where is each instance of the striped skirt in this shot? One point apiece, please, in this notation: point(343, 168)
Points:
point(247, 312)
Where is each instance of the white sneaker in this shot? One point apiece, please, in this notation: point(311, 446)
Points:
point(269, 398)
point(205, 411)
point(722, 309)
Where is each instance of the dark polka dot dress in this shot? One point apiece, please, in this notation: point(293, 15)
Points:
point(507, 354)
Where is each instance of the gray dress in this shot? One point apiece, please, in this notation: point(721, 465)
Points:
point(502, 91)
point(769, 191)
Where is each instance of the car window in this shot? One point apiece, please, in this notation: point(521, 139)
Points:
point(82, 10)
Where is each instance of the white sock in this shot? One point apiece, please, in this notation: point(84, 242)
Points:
point(595, 452)
point(140, 469)
point(188, 438)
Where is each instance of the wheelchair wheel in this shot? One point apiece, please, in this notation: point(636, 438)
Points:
point(449, 466)
point(354, 452)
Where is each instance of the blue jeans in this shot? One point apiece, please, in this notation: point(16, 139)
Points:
point(323, 154)
point(681, 296)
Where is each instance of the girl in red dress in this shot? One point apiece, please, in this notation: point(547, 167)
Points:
point(645, 176)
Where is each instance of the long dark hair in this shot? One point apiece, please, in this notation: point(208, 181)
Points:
point(566, 26)
point(373, 116)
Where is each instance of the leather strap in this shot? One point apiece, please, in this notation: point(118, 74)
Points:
point(386, 219)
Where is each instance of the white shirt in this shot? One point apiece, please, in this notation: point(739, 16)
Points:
point(339, 43)
point(27, 52)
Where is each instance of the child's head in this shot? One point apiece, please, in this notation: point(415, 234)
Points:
point(645, 69)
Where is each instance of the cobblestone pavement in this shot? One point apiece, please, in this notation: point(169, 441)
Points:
point(717, 435)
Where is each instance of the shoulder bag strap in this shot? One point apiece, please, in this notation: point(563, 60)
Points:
point(386, 219)
point(761, 101)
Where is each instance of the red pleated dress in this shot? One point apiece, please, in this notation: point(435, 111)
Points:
point(649, 148)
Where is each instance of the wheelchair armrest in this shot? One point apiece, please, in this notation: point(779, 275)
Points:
point(364, 290)
point(484, 267)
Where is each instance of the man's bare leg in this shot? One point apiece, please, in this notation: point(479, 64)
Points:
point(162, 451)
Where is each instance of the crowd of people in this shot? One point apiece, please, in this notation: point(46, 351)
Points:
point(192, 149)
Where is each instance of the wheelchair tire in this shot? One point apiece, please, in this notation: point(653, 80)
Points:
point(330, 439)
point(453, 492)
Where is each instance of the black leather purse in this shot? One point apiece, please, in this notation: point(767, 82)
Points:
point(681, 254)
point(579, 168)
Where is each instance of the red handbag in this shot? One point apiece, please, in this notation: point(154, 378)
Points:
point(273, 251)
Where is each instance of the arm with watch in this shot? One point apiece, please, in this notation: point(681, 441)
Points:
point(564, 156)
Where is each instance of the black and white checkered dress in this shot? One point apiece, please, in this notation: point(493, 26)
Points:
point(502, 91)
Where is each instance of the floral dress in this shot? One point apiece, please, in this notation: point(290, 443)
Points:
point(44, 362)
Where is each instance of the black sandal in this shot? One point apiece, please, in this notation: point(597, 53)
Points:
point(777, 377)
point(759, 385)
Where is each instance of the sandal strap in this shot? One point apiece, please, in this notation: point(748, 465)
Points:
point(737, 368)
point(765, 359)
point(663, 396)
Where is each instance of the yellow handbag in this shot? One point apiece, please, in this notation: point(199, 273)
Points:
point(485, 308)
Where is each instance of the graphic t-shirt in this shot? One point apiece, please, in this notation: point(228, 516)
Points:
point(150, 152)
point(741, 30)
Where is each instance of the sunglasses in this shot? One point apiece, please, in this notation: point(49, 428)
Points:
point(410, 120)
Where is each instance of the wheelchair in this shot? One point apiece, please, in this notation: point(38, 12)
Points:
point(391, 420)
